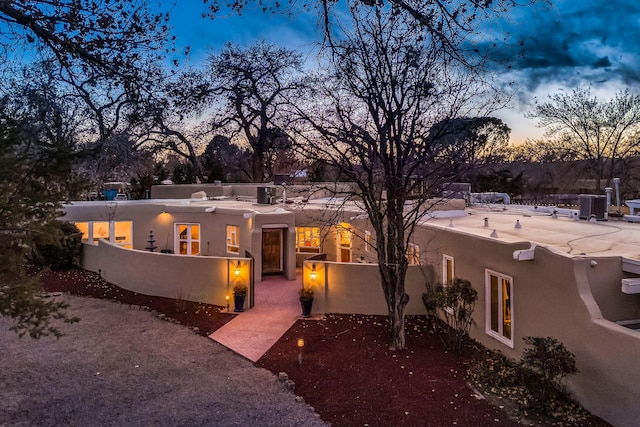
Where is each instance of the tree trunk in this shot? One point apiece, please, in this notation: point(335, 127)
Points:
point(256, 166)
point(394, 271)
point(397, 339)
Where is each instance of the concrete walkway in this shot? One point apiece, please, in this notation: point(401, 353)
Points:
point(254, 331)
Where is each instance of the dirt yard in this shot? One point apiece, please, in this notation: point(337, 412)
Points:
point(122, 366)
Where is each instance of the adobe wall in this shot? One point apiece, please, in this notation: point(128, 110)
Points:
point(201, 279)
point(161, 219)
point(357, 289)
point(248, 190)
point(605, 283)
point(552, 296)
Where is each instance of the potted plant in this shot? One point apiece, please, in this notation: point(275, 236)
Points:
point(239, 294)
point(306, 301)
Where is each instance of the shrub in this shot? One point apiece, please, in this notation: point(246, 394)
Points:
point(240, 290)
point(534, 381)
point(306, 293)
point(454, 305)
point(551, 362)
point(59, 247)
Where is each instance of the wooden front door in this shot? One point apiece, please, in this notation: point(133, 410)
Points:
point(272, 251)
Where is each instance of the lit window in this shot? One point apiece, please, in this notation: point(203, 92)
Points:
point(118, 232)
point(233, 239)
point(344, 243)
point(84, 229)
point(344, 237)
point(413, 254)
point(308, 239)
point(100, 230)
point(499, 322)
point(187, 239)
point(448, 272)
point(121, 232)
point(367, 241)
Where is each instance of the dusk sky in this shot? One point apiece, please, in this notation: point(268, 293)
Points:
point(575, 43)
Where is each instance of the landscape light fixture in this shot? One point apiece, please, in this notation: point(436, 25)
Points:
point(313, 273)
point(300, 347)
point(227, 303)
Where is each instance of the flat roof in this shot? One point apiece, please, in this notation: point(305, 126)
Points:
point(239, 203)
point(563, 232)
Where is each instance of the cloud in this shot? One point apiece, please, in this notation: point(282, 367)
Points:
point(574, 43)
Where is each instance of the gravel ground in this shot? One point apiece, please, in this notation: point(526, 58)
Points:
point(121, 366)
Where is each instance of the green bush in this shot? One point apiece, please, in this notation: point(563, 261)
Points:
point(534, 382)
point(59, 247)
point(551, 362)
point(454, 305)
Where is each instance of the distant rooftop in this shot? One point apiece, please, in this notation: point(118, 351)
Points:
point(562, 232)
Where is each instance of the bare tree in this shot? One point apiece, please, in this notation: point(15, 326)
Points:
point(394, 117)
point(581, 127)
point(439, 18)
point(244, 91)
point(96, 57)
point(100, 35)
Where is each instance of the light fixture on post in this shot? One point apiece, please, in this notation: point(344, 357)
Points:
point(227, 303)
point(313, 273)
point(237, 270)
point(300, 347)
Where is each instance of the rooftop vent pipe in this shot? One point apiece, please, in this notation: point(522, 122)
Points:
point(616, 184)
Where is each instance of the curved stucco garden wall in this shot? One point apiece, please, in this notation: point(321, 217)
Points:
point(356, 288)
point(195, 278)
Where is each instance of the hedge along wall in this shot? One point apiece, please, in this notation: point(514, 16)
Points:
point(357, 289)
point(194, 278)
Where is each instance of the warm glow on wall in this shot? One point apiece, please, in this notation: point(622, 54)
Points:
point(165, 217)
point(236, 271)
point(313, 275)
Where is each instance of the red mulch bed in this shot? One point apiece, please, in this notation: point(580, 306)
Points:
point(351, 378)
point(206, 317)
point(347, 373)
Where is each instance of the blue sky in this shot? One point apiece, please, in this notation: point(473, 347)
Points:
point(574, 43)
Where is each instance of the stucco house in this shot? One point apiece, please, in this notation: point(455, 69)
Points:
point(538, 271)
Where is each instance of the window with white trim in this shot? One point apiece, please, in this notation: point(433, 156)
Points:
point(499, 306)
point(118, 232)
point(308, 239)
point(233, 239)
point(367, 241)
point(448, 270)
point(413, 254)
point(187, 239)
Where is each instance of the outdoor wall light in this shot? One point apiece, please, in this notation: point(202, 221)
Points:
point(300, 347)
point(313, 273)
point(237, 270)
